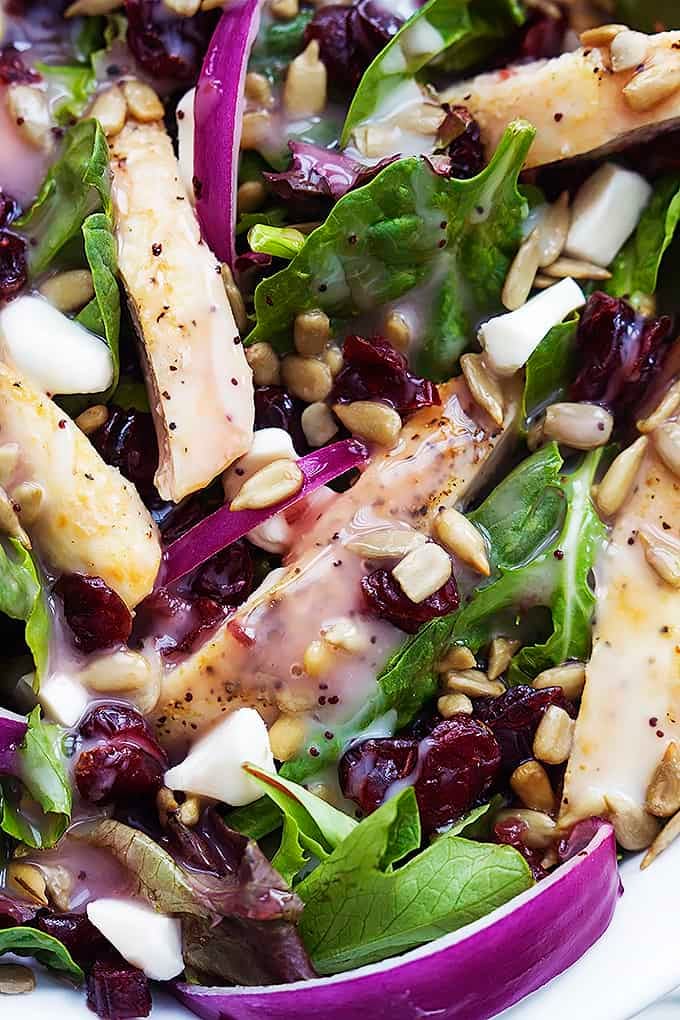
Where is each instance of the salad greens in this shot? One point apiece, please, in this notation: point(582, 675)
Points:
point(311, 827)
point(648, 17)
point(70, 222)
point(75, 83)
point(75, 186)
point(538, 511)
point(24, 941)
point(635, 270)
point(550, 368)
point(461, 30)
point(414, 234)
point(21, 598)
point(361, 906)
point(281, 242)
point(42, 780)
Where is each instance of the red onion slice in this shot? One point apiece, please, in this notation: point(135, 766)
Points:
point(12, 731)
point(226, 526)
point(472, 974)
point(218, 111)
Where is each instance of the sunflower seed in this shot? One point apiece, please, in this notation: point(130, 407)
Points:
point(554, 736)
point(520, 278)
point(616, 484)
point(457, 534)
point(531, 784)
point(634, 827)
point(15, 979)
point(272, 484)
point(571, 678)
point(648, 88)
point(374, 422)
point(669, 404)
point(422, 572)
point(501, 652)
point(386, 543)
point(668, 835)
point(667, 442)
point(539, 828)
point(484, 387)
point(581, 426)
point(576, 269)
point(663, 792)
point(553, 228)
point(473, 682)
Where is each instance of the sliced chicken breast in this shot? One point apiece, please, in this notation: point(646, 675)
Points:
point(261, 656)
point(631, 705)
point(90, 519)
point(576, 102)
point(199, 381)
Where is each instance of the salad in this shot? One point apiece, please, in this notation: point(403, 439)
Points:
point(340, 499)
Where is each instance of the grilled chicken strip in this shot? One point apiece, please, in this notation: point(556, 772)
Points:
point(199, 381)
point(90, 520)
point(257, 657)
point(631, 704)
point(575, 101)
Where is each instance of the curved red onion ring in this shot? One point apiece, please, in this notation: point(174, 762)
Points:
point(12, 731)
point(225, 526)
point(218, 111)
point(469, 975)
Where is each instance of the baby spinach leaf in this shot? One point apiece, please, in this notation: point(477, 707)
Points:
point(446, 243)
point(75, 186)
point(460, 29)
point(635, 269)
point(47, 950)
point(21, 598)
point(277, 43)
point(550, 369)
point(360, 907)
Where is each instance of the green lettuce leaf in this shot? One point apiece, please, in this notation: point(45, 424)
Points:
point(159, 879)
point(37, 809)
point(635, 270)
point(409, 231)
point(277, 43)
point(102, 314)
point(75, 83)
point(646, 16)
point(44, 948)
point(311, 827)
point(75, 186)
point(22, 598)
point(463, 30)
point(361, 907)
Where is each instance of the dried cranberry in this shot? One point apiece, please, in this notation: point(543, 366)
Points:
point(127, 441)
point(276, 409)
point(84, 942)
point(367, 770)
point(514, 719)
point(512, 832)
point(113, 721)
point(452, 768)
point(13, 71)
point(97, 616)
point(118, 770)
point(179, 624)
point(15, 911)
point(374, 370)
point(13, 269)
point(387, 600)
point(227, 578)
point(350, 38)
point(118, 991)
point(167, 46)
point(9, 209)
point(463, 155)
point(620, 352)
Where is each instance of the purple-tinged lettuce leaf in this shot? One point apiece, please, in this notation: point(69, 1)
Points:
point(321, 172)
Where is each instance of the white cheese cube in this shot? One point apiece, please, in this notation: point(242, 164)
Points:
point(146, 939)
point(509, 340)
point(56, 353)
point(63, 698)
point(213, 766)
point(268, 445)
point(605, 213)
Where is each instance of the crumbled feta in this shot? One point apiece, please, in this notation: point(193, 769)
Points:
point(509, 340)
point(146, 939)
point(213, 766)
point(63, 698)
point(56, 353)
point(605, 213)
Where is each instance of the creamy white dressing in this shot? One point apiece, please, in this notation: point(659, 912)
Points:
point(631, 705)
point(257, 657)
